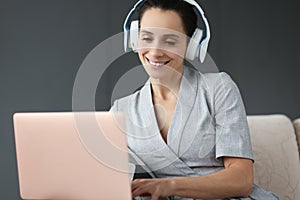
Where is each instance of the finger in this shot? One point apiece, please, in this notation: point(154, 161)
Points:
point(154, 196)
point(141, 191)
point(136, 183)
point(137, 192)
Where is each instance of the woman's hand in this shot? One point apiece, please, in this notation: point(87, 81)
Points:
point(159, 187)
point(236, 180)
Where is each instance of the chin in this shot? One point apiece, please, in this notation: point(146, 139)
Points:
point(154, 73)
point(161, 73)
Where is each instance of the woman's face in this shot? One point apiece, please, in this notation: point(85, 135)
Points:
point(162, 42)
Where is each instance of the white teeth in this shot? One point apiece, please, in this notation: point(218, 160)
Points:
point(156, 64)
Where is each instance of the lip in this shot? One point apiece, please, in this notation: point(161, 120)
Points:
point(157, 64)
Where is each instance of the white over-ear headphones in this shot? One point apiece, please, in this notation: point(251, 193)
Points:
point(197, 47)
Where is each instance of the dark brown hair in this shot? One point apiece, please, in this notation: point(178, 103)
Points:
point(184, 9)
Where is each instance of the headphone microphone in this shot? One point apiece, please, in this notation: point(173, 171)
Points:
point(197, 47)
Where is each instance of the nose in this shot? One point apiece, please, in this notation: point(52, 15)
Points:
point(156, 51)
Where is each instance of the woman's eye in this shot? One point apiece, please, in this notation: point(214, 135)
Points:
point(171, 43)
point(147, 39)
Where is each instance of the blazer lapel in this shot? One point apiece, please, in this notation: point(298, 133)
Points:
point(185, 103)
point(150, 146)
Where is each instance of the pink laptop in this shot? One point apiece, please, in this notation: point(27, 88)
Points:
point(67, 155)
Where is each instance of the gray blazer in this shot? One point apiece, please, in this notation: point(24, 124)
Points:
point(209, 122)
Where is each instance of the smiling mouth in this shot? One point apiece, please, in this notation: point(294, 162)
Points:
point(157, 64)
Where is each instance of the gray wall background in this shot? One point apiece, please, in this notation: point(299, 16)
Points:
point(43, 43)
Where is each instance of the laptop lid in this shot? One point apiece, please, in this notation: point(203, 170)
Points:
point(67, 155)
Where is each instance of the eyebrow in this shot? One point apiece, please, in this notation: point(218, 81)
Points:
point(165, 35)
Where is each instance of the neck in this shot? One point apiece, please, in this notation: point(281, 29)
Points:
point(168, 87)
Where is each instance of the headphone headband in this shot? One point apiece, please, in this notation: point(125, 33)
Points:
point(203, 42)
point(126, 23)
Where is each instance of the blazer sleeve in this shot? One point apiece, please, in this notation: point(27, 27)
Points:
point(114, 107)
point(232, 131)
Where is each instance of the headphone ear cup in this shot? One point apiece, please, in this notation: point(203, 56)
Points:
point(194, 45)
point(203, 50)
point(134, 35)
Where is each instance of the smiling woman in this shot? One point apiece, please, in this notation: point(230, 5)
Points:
point(162, 43)
point(188, 128)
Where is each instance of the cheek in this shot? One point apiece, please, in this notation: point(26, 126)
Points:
point(177, 52)
point(176, 55)
point(141, 53)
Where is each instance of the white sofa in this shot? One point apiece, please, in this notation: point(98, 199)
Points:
point(276, 167)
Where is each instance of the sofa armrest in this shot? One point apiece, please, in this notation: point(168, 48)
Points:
point(296, 123)
point(276, 166)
